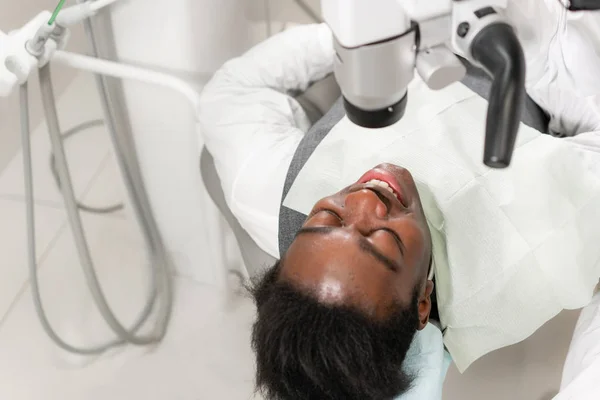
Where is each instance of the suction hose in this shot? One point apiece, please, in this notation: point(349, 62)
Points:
point(160, 263)
point(160, 277)
point(498, 50)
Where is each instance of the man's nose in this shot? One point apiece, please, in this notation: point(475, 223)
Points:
point(363, 206)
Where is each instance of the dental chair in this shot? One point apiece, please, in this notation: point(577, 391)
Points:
point(316, 101)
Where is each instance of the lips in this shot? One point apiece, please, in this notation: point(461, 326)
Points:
point(379, 174)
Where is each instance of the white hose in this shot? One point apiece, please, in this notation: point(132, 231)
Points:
point(99, 4)
point(81, 12)
point(124, 71)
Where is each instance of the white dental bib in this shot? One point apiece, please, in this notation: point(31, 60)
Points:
point(512, 247)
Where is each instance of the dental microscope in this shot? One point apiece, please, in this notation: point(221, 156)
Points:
point(380, 43)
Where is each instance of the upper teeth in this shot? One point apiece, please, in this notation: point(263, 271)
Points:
point(383, 185)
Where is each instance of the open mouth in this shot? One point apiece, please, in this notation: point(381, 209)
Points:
point(383, 185)
point(384, 181)
point(386, 201)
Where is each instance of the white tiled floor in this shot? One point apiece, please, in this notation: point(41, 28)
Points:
point(206, 353)
point(206, 350)
point(86, 150)
point(208, 335)
point(13, 247)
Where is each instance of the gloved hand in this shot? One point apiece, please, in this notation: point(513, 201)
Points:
point(562, 50)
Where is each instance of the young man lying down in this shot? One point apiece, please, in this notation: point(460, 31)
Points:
point(384, 213)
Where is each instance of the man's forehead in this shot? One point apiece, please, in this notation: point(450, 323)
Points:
point(339, 275)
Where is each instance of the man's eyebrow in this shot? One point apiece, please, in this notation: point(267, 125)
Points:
point(363, 244)
point(368, 247)
point(315, 229)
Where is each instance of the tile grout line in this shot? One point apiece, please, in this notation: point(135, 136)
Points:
point(60, 205)
point(39, 262)
point(52, 242)
point(47, 204)
point(103, 165)
point(54, 205)
point(17, 198)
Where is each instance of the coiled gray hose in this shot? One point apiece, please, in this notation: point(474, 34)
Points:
point(161, 283)
point(125, 150)
point(83, 207)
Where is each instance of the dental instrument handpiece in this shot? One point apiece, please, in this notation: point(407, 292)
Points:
point(380, 43)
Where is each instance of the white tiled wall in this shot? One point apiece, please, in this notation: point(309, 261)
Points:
point(206, 353)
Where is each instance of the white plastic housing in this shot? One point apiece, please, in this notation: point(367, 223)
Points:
point(7, 79)
point(16, 62)
point(356, 23)
point(463, 11)
point(422, 10)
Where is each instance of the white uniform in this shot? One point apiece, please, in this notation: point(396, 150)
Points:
point(563, 64)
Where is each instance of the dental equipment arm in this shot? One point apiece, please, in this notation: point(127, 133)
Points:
point(380, 44)
point(582, 5)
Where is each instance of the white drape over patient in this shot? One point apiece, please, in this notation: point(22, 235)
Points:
point(512, 248)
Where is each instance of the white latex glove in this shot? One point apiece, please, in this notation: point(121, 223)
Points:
point(562, 50)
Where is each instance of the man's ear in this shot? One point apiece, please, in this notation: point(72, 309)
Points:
point(425, 305)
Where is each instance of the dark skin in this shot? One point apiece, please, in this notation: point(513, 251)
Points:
point(366, 247)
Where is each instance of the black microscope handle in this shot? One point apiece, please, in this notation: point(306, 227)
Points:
point(498, 50)
point(584, 5)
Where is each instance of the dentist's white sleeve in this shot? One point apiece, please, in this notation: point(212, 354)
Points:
point(563, 77)
point(562, 50)
point(252, 125)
